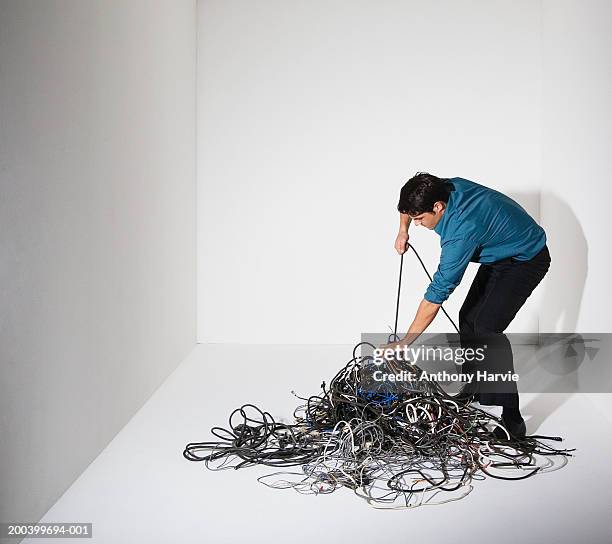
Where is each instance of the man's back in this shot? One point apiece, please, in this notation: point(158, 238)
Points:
point(500, 226)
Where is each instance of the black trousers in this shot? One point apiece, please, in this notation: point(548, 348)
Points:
point(497, 293)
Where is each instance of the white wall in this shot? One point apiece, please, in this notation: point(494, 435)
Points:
point(577, 164)
point(311, 115)
point(97, 228)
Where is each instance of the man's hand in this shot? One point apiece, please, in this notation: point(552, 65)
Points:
point(394, 345)
point(402, 237)
point(424, 316)
point(401, 241)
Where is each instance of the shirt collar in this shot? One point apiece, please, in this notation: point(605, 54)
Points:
point(439, 228)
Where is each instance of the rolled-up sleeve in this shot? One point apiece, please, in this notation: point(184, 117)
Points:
point(454, 259)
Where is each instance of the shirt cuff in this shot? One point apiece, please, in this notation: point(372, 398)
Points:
point(432, 296)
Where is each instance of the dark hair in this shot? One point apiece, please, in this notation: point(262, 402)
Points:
point(421, 192)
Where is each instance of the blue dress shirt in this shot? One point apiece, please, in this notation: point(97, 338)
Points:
point(480, 225)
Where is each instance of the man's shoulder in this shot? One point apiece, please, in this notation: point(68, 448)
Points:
point(463, 184)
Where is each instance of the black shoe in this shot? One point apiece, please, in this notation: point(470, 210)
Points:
point(517, 430)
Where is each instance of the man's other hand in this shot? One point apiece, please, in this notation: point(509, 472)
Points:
point(401, 242)
point(394, 345)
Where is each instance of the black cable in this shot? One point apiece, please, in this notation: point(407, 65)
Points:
point(430, 279)
point(399, 289)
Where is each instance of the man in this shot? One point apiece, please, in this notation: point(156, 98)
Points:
point(477, 224)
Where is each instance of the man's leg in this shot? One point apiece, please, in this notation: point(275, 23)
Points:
point(499, 290)
point(467, 335)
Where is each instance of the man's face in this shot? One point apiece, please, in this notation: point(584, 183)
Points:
point(429, 219)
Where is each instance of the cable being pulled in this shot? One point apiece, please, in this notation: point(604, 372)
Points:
point(399, 288)
point(398, 447)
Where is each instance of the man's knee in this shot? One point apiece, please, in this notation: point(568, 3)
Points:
point(484, 329)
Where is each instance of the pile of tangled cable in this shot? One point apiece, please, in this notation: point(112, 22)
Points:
point(403, 447)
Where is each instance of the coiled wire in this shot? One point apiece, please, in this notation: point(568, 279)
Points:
point(404, 449)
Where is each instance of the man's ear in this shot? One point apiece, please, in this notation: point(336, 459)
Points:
point(439, 206)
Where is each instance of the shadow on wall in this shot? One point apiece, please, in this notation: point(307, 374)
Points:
point(569, 266)
point(564, 283)
point(562, 297)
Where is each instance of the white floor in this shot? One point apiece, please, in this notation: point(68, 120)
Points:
point(141, 489)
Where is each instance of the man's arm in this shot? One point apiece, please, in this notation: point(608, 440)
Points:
point(404, 222)
point(454, 260)
point(402, 235)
